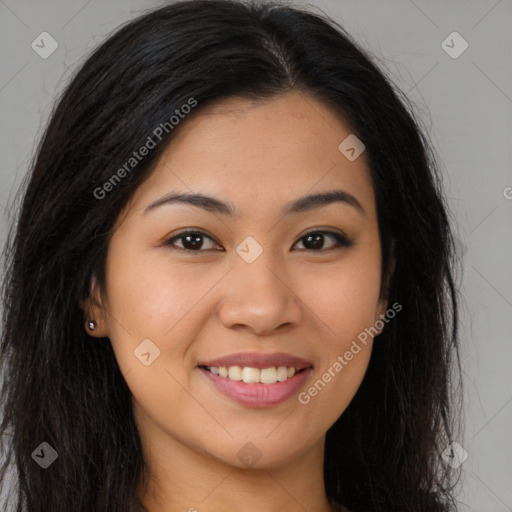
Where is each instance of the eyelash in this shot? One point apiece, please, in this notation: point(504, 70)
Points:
point(342, 241)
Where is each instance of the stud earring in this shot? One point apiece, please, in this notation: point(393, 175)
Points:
point(92, 325)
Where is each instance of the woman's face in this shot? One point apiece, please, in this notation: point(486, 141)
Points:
point(251, 285)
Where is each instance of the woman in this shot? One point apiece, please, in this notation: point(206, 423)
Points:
point(230, 286)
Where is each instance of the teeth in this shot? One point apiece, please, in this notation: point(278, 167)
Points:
point(251, 375)
point(268, 376)
point(254, 375)
point(235, 373)
point(282, 373)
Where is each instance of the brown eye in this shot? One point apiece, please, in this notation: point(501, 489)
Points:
point(193, 241)
point(314, 240)
point(190, 240)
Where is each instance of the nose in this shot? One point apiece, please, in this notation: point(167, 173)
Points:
point(259, 298)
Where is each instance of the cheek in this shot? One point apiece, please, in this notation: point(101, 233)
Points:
point(345, 303)
point(149, 294)
point(346, 297)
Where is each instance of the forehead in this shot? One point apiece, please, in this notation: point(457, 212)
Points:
point(271, 151)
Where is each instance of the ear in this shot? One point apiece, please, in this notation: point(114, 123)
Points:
point(382, 305)
point(94, 309)
point(380, 312)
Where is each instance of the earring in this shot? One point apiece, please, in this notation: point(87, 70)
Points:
point(92, 325)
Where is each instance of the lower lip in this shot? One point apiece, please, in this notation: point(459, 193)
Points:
point(258, 395)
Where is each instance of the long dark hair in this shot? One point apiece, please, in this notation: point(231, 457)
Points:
point(64, 388)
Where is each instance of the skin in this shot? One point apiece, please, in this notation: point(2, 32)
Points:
point(208, 303)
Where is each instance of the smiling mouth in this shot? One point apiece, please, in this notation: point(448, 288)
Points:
point(251, 375)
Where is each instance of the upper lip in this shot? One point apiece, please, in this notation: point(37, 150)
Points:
point(259, 360)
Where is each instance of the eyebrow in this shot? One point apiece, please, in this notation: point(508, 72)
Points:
point(300, 205)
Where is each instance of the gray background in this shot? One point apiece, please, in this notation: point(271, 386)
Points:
point(465, 104)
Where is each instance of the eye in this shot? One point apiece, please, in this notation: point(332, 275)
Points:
point(192, 240)
point(315, 239)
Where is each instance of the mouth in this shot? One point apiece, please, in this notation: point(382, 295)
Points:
point(251, 375)
point(255, 379)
